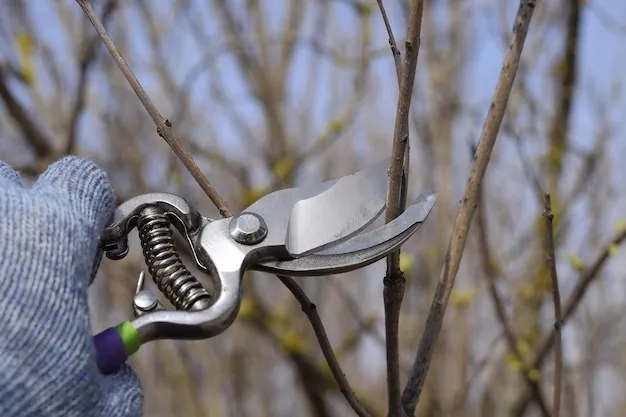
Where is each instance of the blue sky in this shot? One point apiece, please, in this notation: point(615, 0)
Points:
point(600, 51)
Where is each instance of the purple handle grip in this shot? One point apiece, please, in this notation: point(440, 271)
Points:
point(110, 350)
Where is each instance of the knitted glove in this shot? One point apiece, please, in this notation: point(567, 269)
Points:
point(48, 256)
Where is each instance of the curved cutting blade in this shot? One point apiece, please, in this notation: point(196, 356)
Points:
point(361, 250)
point(336, 214)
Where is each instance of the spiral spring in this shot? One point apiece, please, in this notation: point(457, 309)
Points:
point(169, 273)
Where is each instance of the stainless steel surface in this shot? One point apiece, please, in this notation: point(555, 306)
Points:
point(226, 259)
point(361, 250)
point(308, 231)
point(417, 212)
point(168, 271)
point(115, 237)
point(247, 228)
point(348, 207)
point(144, 301)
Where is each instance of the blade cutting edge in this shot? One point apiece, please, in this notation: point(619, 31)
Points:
point(339, 212)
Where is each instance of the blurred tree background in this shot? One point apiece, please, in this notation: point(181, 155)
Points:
point(271, 94)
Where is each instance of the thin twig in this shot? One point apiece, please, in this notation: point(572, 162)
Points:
point(315, 380)
point(467, 208)
point(578, 293)
point(401, 128)
point(551, 264)
point(164, 127)
point(585, 279)
point(393, 283)
point(310, 309)
point(86, 61)
point(392, 42)
point(461, 397)
point(166, 132)
point(511, 338)
point(37, 139)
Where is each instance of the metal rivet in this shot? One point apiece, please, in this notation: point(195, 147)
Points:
point(145, 300)
point(248, 228)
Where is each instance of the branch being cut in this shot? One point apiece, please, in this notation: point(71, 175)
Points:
point(467, 208)
point(551, 264)
point(393, 283)
point(310, 310)
point(164, 127)
point(165, 130)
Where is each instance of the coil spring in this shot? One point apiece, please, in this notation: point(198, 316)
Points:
point(169, 273)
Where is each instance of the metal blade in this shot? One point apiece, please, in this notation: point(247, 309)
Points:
point(415, 213)
point(334, 215)
point(360, 251)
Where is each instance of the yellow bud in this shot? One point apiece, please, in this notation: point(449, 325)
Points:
point(336, 126)
point(523, 346)
point(25, 45)
point(247, 307)
point(612, 249)
point(364, 8)
point(284, 167)
point(291, 341)
point(406, 262)
point(325, 369)
point(526, 291)
point(544, 280)
point(252, 195)
point(531, 335)
point(621, 225)
point(515, 365)
point(370, 321)
point(24, 42)
point(462, 298)
point(533, 375)
point(350, 340)
point(576, 262)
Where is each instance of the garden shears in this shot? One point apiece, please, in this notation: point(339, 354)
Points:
point(319, 229)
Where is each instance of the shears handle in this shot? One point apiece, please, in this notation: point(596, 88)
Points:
point(114, 346)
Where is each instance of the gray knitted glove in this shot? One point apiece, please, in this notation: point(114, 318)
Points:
point(48, 251)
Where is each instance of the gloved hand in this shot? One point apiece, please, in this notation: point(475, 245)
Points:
point(48, 255)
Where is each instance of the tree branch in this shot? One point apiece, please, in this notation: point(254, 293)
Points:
point(167, 133)
point(467, 208)
point(41, 144)
point(310, 309)
point(509, 334)
point(584, 281)
point(164, 127)
point(551, 264)
point(578, 293)
point(87, 59)
point(393, 283)
point(392, 42)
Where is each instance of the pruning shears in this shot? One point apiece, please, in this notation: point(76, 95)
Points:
point(314, 230)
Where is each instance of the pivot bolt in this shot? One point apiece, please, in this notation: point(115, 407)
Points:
point(248, 228)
